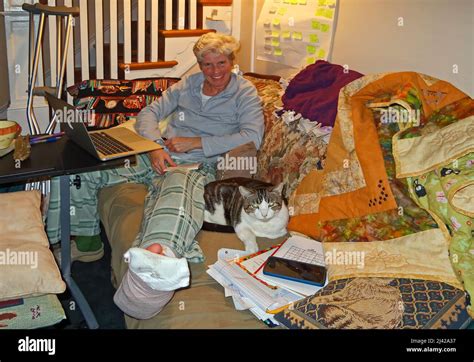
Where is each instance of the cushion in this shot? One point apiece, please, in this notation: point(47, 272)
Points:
point(380, 303)
point(115, 101)
point(27, 266)
point(288, 155)
point(32, 312)
point(238, 162)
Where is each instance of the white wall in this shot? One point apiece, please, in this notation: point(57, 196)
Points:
point(436, 35)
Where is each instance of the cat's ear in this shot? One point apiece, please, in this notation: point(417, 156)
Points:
point(245, 192)
point(278, 188)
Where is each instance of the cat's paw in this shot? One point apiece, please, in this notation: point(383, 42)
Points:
point(251, 248)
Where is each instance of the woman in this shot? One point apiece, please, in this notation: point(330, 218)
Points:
point(211, 112)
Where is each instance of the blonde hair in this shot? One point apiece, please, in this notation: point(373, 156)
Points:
point(216, 43)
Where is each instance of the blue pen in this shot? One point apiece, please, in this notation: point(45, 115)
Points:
point(46, 140)
point(37, 138)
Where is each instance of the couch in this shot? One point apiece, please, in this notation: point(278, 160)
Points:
point(202, 304)
point(291, 154)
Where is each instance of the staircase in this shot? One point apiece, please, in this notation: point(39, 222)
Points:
point(145, 37)
point(137, 39)
point(134, 65)
point(129, 39)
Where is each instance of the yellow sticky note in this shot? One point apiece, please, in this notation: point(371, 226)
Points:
point(294, 2)
point(313, 38)
point(328, 13)
point(275, 42)
point(302, 2)
point(275, 34)
point(320, 12)
point(277, 52)
point(310, 60)
point(324, 28)
point(321, 2)
point(276, 22)
point(286, 35)
point(311, 49)
point(297, 35)
point(330, 2)
point(282, 11)
point(321, 54)
point(315, 24)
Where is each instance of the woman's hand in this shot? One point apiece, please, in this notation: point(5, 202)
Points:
point(160, 159)
point(183, 144)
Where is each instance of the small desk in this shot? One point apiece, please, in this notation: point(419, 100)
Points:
point(61, 158)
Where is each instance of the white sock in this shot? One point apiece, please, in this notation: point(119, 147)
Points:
point(158, 271)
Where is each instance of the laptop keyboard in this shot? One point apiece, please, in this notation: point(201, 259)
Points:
point(108, 145)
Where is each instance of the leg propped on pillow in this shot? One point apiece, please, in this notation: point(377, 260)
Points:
point(149, 283)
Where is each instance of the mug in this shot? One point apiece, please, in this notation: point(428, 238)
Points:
point(9, 130)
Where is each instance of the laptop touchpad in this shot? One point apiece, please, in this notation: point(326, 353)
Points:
point(124, 135)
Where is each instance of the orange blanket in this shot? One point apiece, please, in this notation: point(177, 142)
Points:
point(354, 180)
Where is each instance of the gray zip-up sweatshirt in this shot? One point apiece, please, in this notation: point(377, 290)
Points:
point(228, 119)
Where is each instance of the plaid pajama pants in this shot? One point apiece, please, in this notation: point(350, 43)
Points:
point(174, 205)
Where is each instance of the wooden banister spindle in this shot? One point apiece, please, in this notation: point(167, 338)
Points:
point(113, 40)
point(141, 30)
point(84, 40)
point(99, 39)
point(181, 14)
point(192, 14)
point(127, 35)
point(154, 30)
point(168, 14)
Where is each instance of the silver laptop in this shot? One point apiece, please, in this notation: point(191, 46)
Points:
point(106, 144)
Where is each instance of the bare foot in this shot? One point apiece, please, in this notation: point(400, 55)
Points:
point(155, 248)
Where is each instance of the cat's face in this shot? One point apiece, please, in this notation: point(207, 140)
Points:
point(263, 204)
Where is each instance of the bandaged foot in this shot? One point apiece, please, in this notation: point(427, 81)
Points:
point(148, 285)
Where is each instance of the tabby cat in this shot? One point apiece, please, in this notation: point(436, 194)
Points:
point(254, 208)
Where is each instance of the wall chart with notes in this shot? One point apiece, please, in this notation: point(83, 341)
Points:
point(295, 32)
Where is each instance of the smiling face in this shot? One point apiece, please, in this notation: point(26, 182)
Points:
point(217, 70)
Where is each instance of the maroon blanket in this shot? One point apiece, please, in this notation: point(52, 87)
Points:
point(314, 91)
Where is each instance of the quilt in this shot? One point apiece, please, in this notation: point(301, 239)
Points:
point(420, 130)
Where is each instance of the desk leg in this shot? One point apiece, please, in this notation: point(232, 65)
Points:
point(66, 254)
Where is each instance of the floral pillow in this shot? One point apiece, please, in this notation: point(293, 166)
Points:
point(287, 153)
point(115, 101)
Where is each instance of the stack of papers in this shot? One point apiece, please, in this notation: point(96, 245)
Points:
point(242, 278)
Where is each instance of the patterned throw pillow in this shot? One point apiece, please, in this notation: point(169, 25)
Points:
point(287, 154)
point(115, 101)
point(380, 303)
point(30, 313)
